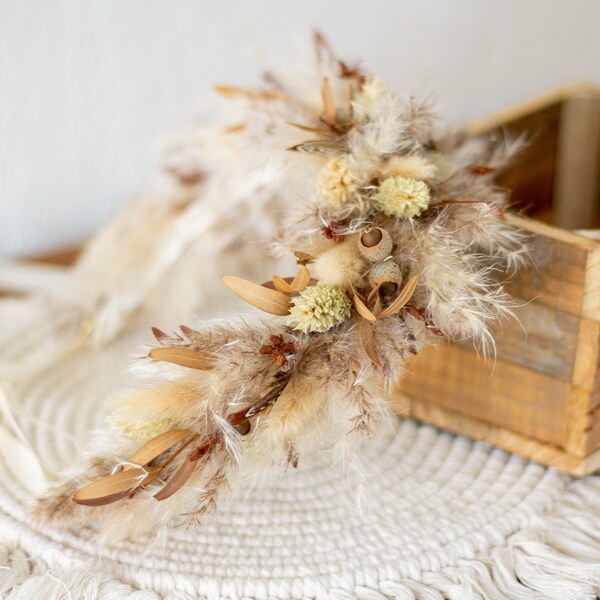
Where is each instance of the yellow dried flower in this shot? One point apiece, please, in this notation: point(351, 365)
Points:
point(336, 182)
point(403, 197)
point(319, 308)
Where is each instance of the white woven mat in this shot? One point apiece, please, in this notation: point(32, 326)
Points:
point(440, 517)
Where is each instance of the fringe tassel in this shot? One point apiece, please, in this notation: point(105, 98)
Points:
point(557, 557)
point(24, 578)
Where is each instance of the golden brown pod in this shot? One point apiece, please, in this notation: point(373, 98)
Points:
point(387, 275)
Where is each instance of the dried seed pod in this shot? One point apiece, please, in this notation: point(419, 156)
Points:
point(375, 244)
point(388, 275)
point(243, 428)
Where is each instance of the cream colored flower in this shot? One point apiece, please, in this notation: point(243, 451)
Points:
point(366, 101)
point(319, 308)
point(336, 182)
point(403, 197)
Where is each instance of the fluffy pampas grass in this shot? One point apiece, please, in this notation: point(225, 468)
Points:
point(400, 237)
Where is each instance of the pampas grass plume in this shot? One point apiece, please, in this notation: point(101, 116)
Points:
point(341, 265)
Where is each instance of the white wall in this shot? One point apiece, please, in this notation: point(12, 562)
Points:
point(89, 88)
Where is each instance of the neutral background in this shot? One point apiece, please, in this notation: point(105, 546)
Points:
point(89, 88)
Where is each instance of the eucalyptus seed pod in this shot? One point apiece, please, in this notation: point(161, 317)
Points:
point(375, 244)
point(387, 274)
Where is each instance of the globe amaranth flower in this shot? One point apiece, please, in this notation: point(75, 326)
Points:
point(402, 197)
point(336, 182)
point(319, 308)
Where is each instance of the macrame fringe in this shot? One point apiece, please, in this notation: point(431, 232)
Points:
point(556, 557)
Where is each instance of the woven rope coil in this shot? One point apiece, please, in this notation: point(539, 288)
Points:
point(439, 517)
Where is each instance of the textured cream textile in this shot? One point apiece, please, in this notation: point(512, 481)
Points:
point(433, 516)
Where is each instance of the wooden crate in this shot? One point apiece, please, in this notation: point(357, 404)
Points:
point(541, 396)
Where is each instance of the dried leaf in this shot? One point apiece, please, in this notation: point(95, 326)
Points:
point(177, 481)
point(184, 357)
point(367, 342)
point(281, 285)
point(323, 48)
point(373, 292)
point(159, 335)
point(271, 301)
point(301, 280)
point(377, 307)
point(159, 444)
point(308, 128)
point(481, 169)
point(416, 314)
point(231, 91)
point(111, 488)
point(281, 380)
point(320, 147)
point(403, 297)
point(328, 103)
point(186, 177)
point(362, 310)
point(350, 105)
point(187, 331)
point(236, 128)
point(269, 284)
point(302, 258)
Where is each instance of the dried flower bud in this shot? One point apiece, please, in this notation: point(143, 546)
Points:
point(384, 273)
point(243, 428)
point(403, 197)
point(375, 244)
point(337, 183)
point(319, 308)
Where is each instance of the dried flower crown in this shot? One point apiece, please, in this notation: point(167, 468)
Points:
point(400, 245)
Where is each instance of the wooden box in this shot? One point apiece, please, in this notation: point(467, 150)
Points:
point(541, 396)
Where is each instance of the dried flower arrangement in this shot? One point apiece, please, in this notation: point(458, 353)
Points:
point(400, 243)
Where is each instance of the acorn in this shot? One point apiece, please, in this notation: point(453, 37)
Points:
point(375, 244)
point(387, 274)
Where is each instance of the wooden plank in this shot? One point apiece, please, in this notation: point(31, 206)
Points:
point(501, 437)
point(530, 176)
point(587, 356)
point(591, 290)
point(565, 270)
point(543, 339)
point(592, 430)
point(513, 396)
point(523, 109)
point(576, 202)
point(576, 417)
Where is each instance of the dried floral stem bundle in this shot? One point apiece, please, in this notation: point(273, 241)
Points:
point(399, 241)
